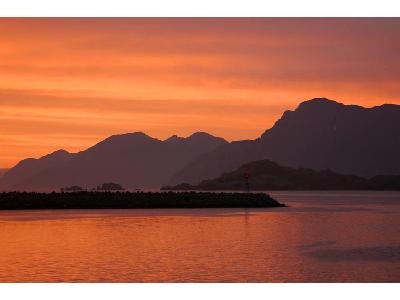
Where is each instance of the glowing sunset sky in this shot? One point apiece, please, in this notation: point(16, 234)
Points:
point(68, 83)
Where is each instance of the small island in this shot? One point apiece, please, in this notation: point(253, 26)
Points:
point(266, 175)
point(135, 200)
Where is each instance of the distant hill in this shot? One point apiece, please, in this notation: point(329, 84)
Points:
point(319, 134)
point(134, 160)
point(267, 175)
point(28, 167)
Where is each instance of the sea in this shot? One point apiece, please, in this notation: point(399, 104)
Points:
point(320, 237)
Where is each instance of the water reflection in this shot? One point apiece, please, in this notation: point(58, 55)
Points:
point(321, 237)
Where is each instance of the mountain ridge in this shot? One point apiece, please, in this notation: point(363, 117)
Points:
point(132, 159)
point(319, 134)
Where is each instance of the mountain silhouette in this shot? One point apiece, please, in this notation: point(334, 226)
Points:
point(267, 175)
point(318, 134)
point(134, 160)
point(26, 168)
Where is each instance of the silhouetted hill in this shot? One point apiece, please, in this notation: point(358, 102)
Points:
point(133, 160)
point(29, 167)
point(319, 134)
point(267, 175)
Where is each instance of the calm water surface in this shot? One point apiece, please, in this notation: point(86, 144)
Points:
point(321, 237)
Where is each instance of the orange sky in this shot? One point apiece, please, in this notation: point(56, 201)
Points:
point(68, 83)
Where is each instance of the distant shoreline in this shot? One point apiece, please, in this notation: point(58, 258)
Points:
point(136, 200)
point(260, 190)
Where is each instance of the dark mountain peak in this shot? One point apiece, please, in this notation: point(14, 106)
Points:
point(130, 135)
point(318, 103)
point(197, 136)
point(31, 166)
point(174, 138)
point(202, 136)
point(316, 110)
point(323, 107)
point(126, 141)
point(26, 160)
point(118, 139)
point(57, 153)
point(387, 107)
point(61, 151)
point(320, 100)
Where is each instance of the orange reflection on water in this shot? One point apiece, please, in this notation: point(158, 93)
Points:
point(306, 242)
